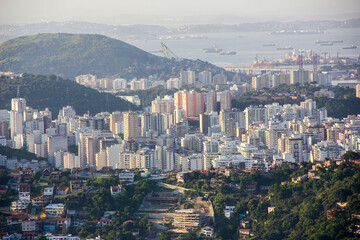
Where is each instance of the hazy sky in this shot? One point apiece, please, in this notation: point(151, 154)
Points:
point(174, 12)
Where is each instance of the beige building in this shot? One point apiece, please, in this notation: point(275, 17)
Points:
point(358, 90)
point(187, 218)
point(127, 160)
point(163, 105)
point(131, 125)
point(115, 117)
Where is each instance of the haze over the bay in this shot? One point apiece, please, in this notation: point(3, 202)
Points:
point(174, 12)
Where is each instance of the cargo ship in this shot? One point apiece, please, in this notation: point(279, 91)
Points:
point(212, 50)
point(326, 44)
point(320, 42)
point(285, 48)
point(228, 53)
point(269, 45)
point(351, 47)
point(337, 41)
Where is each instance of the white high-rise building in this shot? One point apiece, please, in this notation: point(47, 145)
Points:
point(113, 155)
point(253, 114)
point(187, 77)
point(119, 84)
point(225, 100)
point(71, 161)
point(205, 77)
point(18, 104)
point(210, 101)
point(56, 143)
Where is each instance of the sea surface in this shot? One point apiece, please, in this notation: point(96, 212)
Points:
point(248, 45)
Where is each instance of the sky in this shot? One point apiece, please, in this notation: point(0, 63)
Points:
point(174, 12)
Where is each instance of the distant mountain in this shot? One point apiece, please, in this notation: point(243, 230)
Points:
point(50, 91)
point(70, 55)
point(154, 31)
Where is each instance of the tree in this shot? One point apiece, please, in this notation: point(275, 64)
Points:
point(165, 235)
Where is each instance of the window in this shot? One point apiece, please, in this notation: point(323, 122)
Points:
point(296, 146)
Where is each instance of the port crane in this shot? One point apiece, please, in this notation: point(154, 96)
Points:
point(167, 52)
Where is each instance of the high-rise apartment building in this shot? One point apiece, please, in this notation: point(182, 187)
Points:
point(191, 102)
point(187, 77)
point(300, 76)
point(163, 105)
point(115, 118)
point(225, 100)
point(205, 77)
point(358, 90)
point(131, 125)
point(174, 83)
point(210, 101)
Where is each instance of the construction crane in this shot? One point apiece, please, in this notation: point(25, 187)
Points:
point(167, 52)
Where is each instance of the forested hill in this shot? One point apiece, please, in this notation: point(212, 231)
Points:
point(41, 91)
point(317, 209)
point(70, 55)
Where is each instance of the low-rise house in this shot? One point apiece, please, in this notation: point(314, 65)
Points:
point(229, 211)
point(24, 192)
point(15, 173)
point(78, 186)
point(39, 201)
point(63, 190)
point(29, 235)
point(244, 223)
point(251, 186)
point(3, 192)
point(16, 218)
point(101, 222)
point(181, 176)
point(31, 225)
point(48, 191)
point(50, 236)
point(19, 206)
point(300, 179)
point(207, 231)
point(55, 175)
point(271, 209)
point(126, 176)
point(356, 215)
point(312, 174)
point(116, 189)
point(54, 210)
point(26, 174)
point(14, 236)
point(61, 222)
point(49, 228)
point(244, 233)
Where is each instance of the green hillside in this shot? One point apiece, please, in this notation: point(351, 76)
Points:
point(70, 55)
point(41, 91)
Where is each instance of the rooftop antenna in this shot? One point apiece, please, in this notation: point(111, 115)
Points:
point(107, 102)
point(300, 61)
point(67, 96)
point(315, 62)
point(18, 92)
